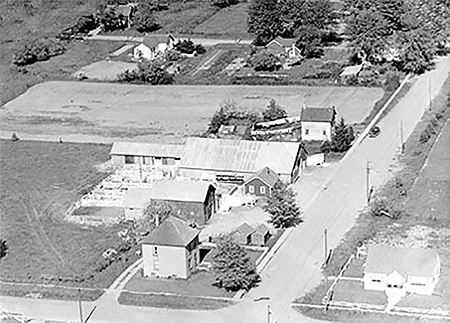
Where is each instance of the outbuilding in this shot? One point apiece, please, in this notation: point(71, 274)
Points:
point(261, 183)
point(260, 235)
point(171, 250)
point(284, 47)
point(400, 270)
point(191, 201)
point(243, 234)
point(153, 46)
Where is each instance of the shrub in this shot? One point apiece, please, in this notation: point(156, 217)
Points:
point(392, 81)
point(230, 111)
point(144, 19)
point(40, 50)
point(264, 61)
point(150, 72)
point(274, 111)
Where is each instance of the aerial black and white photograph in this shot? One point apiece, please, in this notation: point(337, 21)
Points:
point(224, 161)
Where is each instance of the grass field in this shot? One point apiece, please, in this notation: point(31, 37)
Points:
point(104, 70)
point(101, 112)
point(39, 181)
point(228, 21)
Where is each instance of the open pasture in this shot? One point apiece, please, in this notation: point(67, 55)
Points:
point(101, 112)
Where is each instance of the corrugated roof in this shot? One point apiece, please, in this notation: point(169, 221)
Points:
point(318, 114)
point(384, 259)
point(146, 149)
point(244, 229)
point(266, 175)
point(262, 229)
point(239, 155)
point(351, 70)
point(167, 190)
point(172, 232)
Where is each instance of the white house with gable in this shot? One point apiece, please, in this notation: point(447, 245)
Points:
point(153, 46)
point(317, 123)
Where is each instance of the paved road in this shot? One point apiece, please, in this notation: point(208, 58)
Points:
point(203, 41)
point(295, 267)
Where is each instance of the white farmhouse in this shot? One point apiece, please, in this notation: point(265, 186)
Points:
point(317, 123)
point(152, 46)
point(171, 250)
point(401, 270)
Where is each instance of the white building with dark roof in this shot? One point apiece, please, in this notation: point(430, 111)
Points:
point(152, 46)
point(171, 250)
point(401, 270)
point(317, 123)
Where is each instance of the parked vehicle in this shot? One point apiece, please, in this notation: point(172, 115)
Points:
point(374, 132)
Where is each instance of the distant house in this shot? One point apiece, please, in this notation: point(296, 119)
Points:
point(260, 235)
point(401, 270)
point(192, 201)
point(241, 158)
point(153, 46)
point(243, 234)
point(284, 47)
point(145, 155)
point(317, 123)
point(261, 183)
point(171, 250)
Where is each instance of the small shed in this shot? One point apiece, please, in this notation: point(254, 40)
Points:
point(350, 72)
point(261, 183)
point(317, 123)
point(243, 234)
point(260, 235)
point(284, 47)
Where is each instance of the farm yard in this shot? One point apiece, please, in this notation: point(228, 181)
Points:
point(100, 112)
point(104, 70)
point(39, 181)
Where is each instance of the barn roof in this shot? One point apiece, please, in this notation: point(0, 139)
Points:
point(285, 42)
point(239, 155)
point(146, 149)
point(168, 191)
point(318, 114)
point(267, 175)
point(172, 232)
point(384, 259)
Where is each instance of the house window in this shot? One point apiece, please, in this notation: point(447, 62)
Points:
point(251, 189)
point(158, 161)
point(262, 190)
point(129, 159)
point(376, 280)
point(155, 251)
point(324, 132)
point(306, 131)
point(148, 160)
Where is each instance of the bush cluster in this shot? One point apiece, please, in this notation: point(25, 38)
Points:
point(39, 50)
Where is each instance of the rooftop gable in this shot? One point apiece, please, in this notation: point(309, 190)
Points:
point(172, 232)
point(267, 175)
point(146, 149)
point(151, 41)
point(244, 229)
point(384, 259)
point(284, 42)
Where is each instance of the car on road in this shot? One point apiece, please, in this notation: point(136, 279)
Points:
point(374, 132)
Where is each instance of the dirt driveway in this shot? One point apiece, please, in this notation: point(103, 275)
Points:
point(105, 112)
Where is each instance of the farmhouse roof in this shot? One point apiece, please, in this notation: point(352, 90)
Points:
point(352, 70)
point(152, 41)
point(239, 155)
point(244, 229)
point(168, 191)
point(146, 149)
point(267, 175)
point(284, 42)
point(318, 114)
point(384, 259)
point(172, 232)
point(125, 10)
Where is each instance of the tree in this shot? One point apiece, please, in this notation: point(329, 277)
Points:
point(151, 72)
point(111, 20)
point(144, 19)
point(343, 137)
point(154, 214)
point(264, 61)
point(273, 111)
point(38, 50)
point(233, 268)
point(229, 111)
point(309, 40)
point(3, 248)
point(282, 206)
point(264, 20)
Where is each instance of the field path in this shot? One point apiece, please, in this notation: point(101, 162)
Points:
point(207, 61)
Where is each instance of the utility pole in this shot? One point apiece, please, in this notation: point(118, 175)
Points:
point(79, 305)
point(401, 136)
point(429, 93)
point(368, 181)
point(325, 239)
point(268, 313)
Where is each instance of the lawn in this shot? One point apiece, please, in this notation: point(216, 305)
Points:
point(231, 21)
point(172, 301)
point(101, 112)
point(39, 181)
point(354, 292)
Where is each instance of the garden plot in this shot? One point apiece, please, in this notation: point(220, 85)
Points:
point(104, 70)
point(101, 112)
